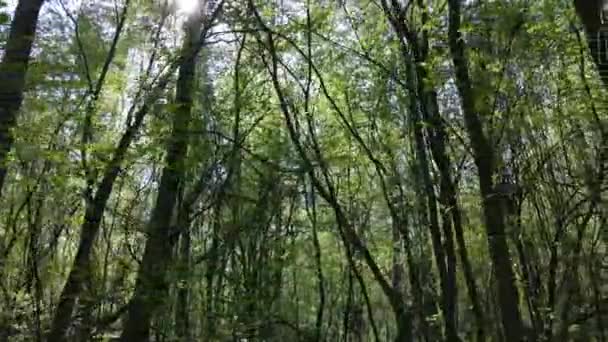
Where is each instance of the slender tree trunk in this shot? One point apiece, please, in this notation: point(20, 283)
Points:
point(326, 189)
point(346, 322)
point(81, 265)
point(13, 71)
point(429, 209)
point(404, 316)
point(182, 311)
point(311, 208)
point(484, 156)
point(212, 266)
point(590, 13)
point(33, 283)
point(88, 233)
point(151, 285)
point(530, 289)
point(95, 203)
point(404, 326)
point(413, 53)
point(448, 198)
point(427, 98)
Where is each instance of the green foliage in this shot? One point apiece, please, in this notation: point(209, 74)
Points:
point(297, 184)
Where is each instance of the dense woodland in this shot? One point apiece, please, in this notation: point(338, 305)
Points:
point(303, 170)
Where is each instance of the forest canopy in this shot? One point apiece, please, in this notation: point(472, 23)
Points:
point(303, 170)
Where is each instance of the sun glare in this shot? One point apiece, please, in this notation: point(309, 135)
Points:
point(187, 6)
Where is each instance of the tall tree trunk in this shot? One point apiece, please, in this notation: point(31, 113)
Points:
point(182, 316)
point(484, 156)
point(79, 272)
point(429, 109)
point(447, 275)
point(33, 283)
point(324, 186)
point(311, 210)
point(13, 71)
point(414, 52)
point(592, 15)
point(212, 266)
point(95, 203)
point(151, 285)
point(447, 194)
point(449, 200)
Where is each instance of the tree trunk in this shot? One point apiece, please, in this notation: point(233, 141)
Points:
point(593, 17)
point(449, 200)
point(404, 326)
point(151, 285)
point(82, 262)
point(446, 270)
point(88, 233)
point(95, 204)
point(326, 189)
point(484, 156)
point(13, 71)
point(413, 53)
point(182, 316)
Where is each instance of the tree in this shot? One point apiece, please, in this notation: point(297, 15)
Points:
point(13, 72)
point(307, 171)
point(486, 161)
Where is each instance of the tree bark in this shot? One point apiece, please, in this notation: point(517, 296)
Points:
point(484, 156)
point(88, 233)
point(151, 285)
point(448, 197)
point(13, 71)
